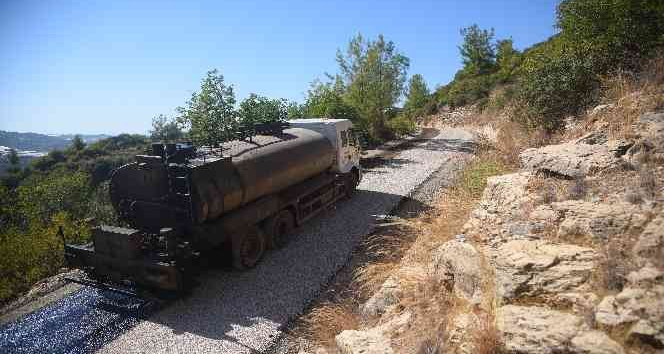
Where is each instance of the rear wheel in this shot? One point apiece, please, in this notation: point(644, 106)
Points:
point(277, 228)
point(248, 249)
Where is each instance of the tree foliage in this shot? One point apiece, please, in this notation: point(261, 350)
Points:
point(165, 129)
point(417, 97)
point(210, 113)
point(260, 109)
point(477, 50)
point(373, 74)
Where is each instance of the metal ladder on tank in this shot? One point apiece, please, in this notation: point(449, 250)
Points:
point(180, 191)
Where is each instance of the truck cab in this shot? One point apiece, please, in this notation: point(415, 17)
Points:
point(343, 139)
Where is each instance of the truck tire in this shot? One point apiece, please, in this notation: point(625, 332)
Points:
point(277, 228)
point(248, 249)
point(352, 180)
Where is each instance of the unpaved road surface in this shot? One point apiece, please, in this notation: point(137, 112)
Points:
point(237, 312)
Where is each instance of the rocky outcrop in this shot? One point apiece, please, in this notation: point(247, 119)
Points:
point(363, 342)
point(533, 268)
point(600, 220)
point(504, 200)
point(650, 245)
point(458, 263)
point(640, 306)
point(374, 340)
point(535, 330)
point(585, 156)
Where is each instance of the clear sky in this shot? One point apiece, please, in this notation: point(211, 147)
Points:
point(109, 66)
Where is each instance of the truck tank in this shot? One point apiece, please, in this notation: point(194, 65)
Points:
point(164, 190)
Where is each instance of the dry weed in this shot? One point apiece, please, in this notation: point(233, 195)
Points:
point(324, 322)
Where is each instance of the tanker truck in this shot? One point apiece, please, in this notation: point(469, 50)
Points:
point(244, 195)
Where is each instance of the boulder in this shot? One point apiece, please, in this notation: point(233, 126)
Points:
point(363, 342)
point(575, 159)
point(532, 268)
point(458, 263)
point(538, 330)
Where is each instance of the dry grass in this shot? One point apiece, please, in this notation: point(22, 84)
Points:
point(631, 96)
point(324, 322)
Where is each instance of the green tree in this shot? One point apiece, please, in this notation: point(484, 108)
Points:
point(210, 114)
point(508, 60)
point(260, 109)
point(326, 100)
point(373, 73)
point(41, 197)
point(614, 32)
point(77, 143)
point(295, 110)
point(165, 129)
point(417, 97)
point(477, 50)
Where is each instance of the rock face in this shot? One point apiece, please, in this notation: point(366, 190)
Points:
point(363, 342)
point(640, 306)
point(539, 330)
point(458, 263)
point(532, 268)
point(597, 219)
point(504, 199)
point(651, 242)
point(577, 158)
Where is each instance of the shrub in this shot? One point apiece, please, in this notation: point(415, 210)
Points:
point(401, 125)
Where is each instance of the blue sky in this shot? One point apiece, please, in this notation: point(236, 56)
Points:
point(110, 66)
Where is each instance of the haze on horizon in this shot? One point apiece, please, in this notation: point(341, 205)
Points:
point(109, 67)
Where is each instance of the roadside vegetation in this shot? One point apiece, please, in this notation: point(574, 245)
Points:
point(537, 88)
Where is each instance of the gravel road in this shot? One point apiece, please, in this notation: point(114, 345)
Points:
point(242, 312)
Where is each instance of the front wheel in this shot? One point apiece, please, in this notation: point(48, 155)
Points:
point(248, 249)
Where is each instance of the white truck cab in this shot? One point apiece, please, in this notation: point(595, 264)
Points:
point(344, 141)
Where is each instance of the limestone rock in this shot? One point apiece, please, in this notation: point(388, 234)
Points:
point(582, 303)
point(538, 330)
point(573, 159)
point(459, 263)
point(531, 268)
point(363, 342)
point(597, 219)
point(504, 199)
point(650, 244)
point(460, 335)
point(386, 296)
point(595, 342)
point(642, 309)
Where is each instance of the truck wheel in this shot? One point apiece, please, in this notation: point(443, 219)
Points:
point(352, 181)
point(277, 228)
point(248, 249)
